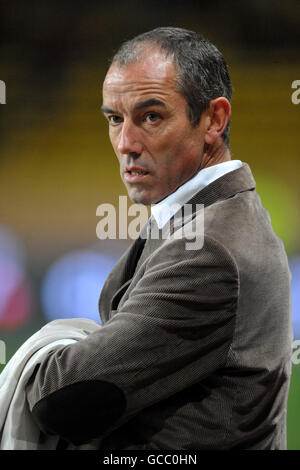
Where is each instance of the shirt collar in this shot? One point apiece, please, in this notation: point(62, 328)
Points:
point(164, 210)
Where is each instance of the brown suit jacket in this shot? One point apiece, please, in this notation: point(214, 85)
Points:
point(195, 348)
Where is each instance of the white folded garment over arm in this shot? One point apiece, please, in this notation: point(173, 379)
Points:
point(18, 431)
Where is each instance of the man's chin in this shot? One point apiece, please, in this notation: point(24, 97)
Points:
point(139, 198)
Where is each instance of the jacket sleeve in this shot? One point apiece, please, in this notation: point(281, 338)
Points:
point(174, 330)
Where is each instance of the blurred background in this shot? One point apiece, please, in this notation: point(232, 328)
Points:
point(57, 165)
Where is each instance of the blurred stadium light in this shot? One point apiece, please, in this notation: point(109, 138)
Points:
point(72, 285)
point(295, 293)
point(15, 295)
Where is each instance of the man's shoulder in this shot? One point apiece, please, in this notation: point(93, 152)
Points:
point(238, 226)
point(243, 225)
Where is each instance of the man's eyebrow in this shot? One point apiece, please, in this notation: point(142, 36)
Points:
point(106, 110)
point(150, 102)
point(143, 104)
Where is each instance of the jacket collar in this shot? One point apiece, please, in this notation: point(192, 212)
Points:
point(223, 188)
point(228, 185)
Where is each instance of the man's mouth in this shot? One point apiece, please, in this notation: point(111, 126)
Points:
point(135, 175)
point(137, 172)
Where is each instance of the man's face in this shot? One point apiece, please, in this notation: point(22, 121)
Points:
point(157, 147)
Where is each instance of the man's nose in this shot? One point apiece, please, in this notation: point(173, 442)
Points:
point(129, 141)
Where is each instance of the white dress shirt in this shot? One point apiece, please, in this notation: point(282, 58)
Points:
point(165, 209)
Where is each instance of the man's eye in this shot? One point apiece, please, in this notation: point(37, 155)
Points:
point(152, 117)
point(113, 119)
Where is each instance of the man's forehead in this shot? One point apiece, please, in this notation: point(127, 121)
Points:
point(153, 67)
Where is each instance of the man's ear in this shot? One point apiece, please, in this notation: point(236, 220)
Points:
point(219, 113)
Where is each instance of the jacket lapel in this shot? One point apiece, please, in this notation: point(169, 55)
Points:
point(119, 279)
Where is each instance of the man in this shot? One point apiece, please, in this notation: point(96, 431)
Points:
point(195, 347)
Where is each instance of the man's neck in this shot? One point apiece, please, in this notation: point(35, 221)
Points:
point(215, 154)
